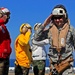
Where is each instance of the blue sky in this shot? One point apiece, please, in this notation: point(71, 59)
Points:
point(32, 11)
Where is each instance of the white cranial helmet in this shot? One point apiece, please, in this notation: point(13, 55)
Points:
point(58, 11)
point(5, 10)
point(37, 25)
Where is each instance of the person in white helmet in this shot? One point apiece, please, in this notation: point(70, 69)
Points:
point(61, 37)
point(5, 41)
point(39, 53)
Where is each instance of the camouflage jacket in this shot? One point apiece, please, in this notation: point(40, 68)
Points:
point(69, 47)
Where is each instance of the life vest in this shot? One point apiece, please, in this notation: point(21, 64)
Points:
point(58, 37)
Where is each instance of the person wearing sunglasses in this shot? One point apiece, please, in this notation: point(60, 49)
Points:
point(61, 37)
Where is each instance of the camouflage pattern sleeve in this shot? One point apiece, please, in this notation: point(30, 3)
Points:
point(73, 33)
point(38, 32)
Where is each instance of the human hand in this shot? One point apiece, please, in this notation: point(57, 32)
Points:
point(30, 30)
point(48, 20)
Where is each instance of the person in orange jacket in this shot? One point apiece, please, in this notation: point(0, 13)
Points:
point(23, 50)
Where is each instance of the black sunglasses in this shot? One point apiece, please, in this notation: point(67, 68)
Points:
point(57, 17)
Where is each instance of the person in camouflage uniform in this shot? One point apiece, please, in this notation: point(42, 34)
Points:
point(61, 37)
point(39, 53)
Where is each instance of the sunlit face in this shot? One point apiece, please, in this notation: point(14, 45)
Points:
point(24, 29)
point(59, 20)
point(36, 28)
